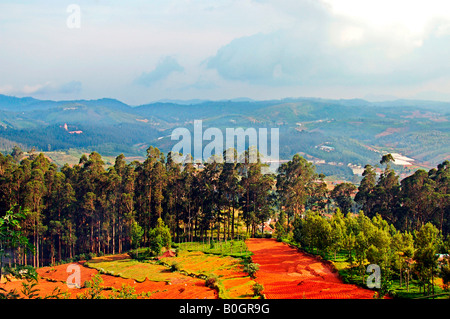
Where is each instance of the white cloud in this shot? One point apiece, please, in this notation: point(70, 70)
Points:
point(165, 67)
point(71, 88)
point(324, 49)
point(412, 14)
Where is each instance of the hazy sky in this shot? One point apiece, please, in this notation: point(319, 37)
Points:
point(143, 51)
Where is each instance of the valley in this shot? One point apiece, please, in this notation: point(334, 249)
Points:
point(338, 136)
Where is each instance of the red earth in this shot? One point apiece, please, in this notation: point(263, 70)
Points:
point(56, 276)
point(287, 273)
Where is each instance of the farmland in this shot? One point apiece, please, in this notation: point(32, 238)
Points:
point(283, 271)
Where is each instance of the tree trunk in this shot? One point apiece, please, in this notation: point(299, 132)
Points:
point(92, 236)
point(232, 224)
point(59, 246)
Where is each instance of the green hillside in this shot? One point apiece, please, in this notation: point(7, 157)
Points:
point(328, 132)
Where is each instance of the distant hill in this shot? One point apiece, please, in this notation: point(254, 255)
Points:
point(332, 133)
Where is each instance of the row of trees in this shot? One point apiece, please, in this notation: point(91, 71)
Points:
point(407, 204)
point(90, 208)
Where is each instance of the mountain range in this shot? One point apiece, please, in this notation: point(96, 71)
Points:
point(339, 136)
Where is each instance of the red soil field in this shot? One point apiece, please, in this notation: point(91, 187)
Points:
point(287, 273)
point(56, 276)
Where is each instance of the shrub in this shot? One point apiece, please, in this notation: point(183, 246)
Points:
point(126, 292)
point(242, 237)
point(175, 267)
point(95, 289)
point(257, 289)
point(251, 269)
point(212, 281)
point(156, 243)
point(141, 254)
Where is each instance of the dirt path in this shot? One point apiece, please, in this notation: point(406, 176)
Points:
point(287, 273)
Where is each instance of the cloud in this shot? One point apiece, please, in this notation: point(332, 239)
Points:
point(72, 87)
point(322, 49)
point(165, 67)
point(42, 89)
point(277, 58)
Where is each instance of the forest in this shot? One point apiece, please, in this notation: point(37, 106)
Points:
point(91, 209)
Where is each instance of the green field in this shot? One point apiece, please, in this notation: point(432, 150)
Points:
point(235, 248)
point(132, 269)
point(230, 280)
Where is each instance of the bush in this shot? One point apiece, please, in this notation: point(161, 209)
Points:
point(156, 243)
point(95, 288)
point(80, 257)
point(257, 289)
point(141, 254)
point(251, 269)
point(212, 282)
point(175, 267)
point(242, 236)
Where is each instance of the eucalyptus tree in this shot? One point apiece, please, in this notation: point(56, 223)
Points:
point(229, 190)
point(365, 196)
point(441, 177)
point(387, 191)
point(418, 199)
point(294, 182)
point(342, 195)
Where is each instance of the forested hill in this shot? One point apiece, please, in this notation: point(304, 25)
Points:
point(331, 133)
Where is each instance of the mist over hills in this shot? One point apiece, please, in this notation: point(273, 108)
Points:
point(332, 133)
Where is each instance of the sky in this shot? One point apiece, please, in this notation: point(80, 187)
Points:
point(140, 51)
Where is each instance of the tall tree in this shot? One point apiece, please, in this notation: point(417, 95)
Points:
point(417, 192)
point(229, 189)
point(294, 180)
point(441, 177)
point(365, 196)
point(342, 195)
point(427, 242)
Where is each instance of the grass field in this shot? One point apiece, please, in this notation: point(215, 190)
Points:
point(234, 248)
point(231, 280)
point(133, 269)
